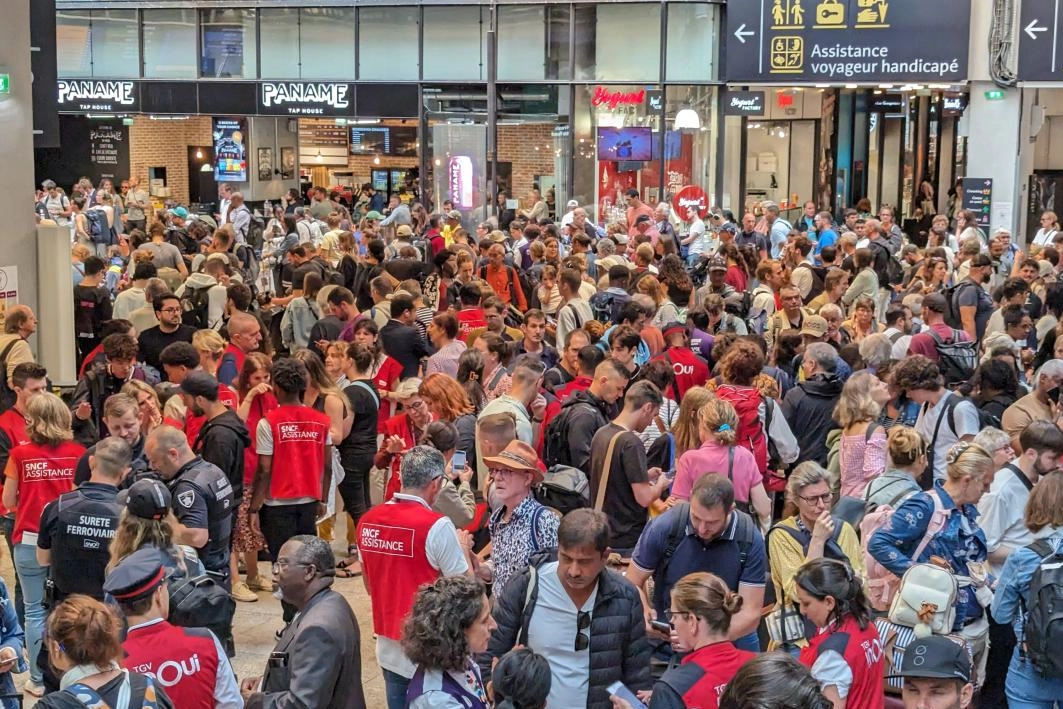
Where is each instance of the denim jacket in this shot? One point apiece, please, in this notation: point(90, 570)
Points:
point(960, 541)
point(1015, 579)
point(12, 636)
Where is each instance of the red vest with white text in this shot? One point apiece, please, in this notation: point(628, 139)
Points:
point(299, 435)
point(862, 650)
point(391, 544)
point(43, 473)
point(690, 370)
point(183, 660)
point(13, 424)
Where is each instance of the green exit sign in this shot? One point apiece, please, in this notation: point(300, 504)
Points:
point(5, 83)
point(994, 95)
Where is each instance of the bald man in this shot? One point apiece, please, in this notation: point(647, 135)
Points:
point(245, 335)
point(19, 324)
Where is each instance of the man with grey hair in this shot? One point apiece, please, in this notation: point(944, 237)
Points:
point(404, 544)
point(322, 651)
point(809, 407)
point(1041, 404)
point(778, 228)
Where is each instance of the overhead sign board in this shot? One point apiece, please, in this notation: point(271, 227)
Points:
point(743, 103)
point(305, 98)
point(1040, 53)
point(978, 197)
point(847, 41)
point(95, 96)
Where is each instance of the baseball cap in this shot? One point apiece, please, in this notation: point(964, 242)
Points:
point(935, 657)
point(729, 227)
point(179, 212)
point(815, 326)
point(572, 204)
point(404, 230)
point(147, 498)
point(454, 214)
point(717, 263)
point(198, 383)
point(935, 302)
point(518, 455)
point(136, 576)
point(374, 216)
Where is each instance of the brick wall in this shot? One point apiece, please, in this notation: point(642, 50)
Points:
point(155, 143)
point(530, 147)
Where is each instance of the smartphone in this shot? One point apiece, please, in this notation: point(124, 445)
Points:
point(1053, 394)
point(660, 626)
point(457, 463)
point(617, 689)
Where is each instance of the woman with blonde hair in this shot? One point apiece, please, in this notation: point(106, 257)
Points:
point(907, 539)
point(685, 429)
point(149, 407)
point(38, 472)
point(808, 533)
point(719, 453)
point(862, 449)
point(256, 400)
point(906, 455)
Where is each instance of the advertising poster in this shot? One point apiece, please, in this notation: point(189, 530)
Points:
point(8, 288)
point(265, 164)
point(230, 149)
point(287, 163)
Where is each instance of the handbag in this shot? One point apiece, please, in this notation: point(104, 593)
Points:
point(785, 624)
point(925, 599)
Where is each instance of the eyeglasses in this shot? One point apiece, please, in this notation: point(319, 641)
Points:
point(419, 404)
point(283, 564)
point(670, 615)
point(583, 635)
point(825, 498)
point(170, 310)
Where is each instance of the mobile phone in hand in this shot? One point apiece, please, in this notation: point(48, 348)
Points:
point(457, 463)
point(660, 626)
point(617, 689)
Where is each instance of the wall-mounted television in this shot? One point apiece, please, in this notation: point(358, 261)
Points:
point(370, 140)
point(625, 143)
point(404, 141)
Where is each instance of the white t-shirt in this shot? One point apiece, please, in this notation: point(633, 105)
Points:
point(552, 633)
point(697, 228)
point(1044, 237)
point(965, 420)
point(1001, 513)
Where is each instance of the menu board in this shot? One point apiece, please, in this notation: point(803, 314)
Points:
point(230, 149)
point(370, 140)
point(322, 134)
point(109, 150)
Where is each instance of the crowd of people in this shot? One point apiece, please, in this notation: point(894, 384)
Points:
point(685, 460)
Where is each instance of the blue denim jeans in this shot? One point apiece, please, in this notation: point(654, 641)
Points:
point(1027, 689)
point(395, 686)
point(749, 642)
point(32, 575)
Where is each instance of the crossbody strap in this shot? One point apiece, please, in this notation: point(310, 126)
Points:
point(607, 465)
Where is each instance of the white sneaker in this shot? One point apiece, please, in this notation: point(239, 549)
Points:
point(242, 593)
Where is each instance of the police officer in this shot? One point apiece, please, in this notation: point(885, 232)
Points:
point(76, 531)
point(189, 663)
point(202, 498)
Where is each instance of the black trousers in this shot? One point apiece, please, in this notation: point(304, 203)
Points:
point(279, 524)
point(355, 492)
point(1001, 646)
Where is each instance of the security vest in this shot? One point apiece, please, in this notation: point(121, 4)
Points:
point(391, 544)
point(87, 521)
point(299, 435)
point(206, 480)
point(183, 660)
point(862, 650)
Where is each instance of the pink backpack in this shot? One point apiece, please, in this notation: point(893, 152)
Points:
point(881, 584)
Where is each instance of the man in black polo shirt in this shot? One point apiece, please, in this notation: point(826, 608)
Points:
point(170, 329)
point(707, 534)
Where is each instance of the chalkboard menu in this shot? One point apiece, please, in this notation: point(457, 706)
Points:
point(90, 147)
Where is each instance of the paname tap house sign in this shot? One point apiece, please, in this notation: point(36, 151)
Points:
point(847, 41)
point(98, 96)
point(301, 98)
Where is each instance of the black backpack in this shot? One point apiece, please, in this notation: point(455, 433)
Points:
point(255, 236)
point(952, 308)
point(957, 359)
point(819, 279)
point(201, 602)
point(564, 489)
point(894, 272)
point(555, 444)
point(1043, 630)
point(195, 307)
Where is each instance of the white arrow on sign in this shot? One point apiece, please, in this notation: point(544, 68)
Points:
point(1032, 29)
point(741, 33)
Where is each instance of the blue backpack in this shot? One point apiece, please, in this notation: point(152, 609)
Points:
point(98, 230)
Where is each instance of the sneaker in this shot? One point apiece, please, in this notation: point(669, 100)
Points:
point(242, 593)
point(259, 584)
point(32, 688)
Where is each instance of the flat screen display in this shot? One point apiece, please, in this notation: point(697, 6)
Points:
point(230, 149)
point(625, 144)
point(375, 140)
point(404, 141)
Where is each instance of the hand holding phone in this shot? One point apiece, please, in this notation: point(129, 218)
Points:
point(617, 689)
point(457, 462)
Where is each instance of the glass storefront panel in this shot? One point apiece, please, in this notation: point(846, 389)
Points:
point(521, 42)
point(534, 144)
point(73, 44)
point(690, 153)
point(388, 43)
point(607, 48)
point(279, 29)
point(692, 47)
point(455, 43)
point(115, 43)
point(169, 44)
point(228, 44)
point(326, 42)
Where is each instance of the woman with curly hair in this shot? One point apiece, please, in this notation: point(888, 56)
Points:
point(448, 401)
point(449, 624)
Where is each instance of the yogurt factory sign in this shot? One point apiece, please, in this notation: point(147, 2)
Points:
point(300, 98)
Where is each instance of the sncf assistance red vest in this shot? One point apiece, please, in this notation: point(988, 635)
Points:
point(299, 435)
point(862, 650)
point(13, 426)
point(391, 543)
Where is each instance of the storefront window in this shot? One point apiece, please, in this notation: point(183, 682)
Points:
point(618, 42)
point(279, 28)
point(521, 42)
point(326, 42)
point(692, 46)
point(115, 43)
point(455, 46)
point(690, 153)
point(169, 44)
point(534, 145)
point(73, 47)
point(228, 44)
point(388, 43)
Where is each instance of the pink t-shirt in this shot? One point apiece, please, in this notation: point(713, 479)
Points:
point(712, 457)
point(861, 459)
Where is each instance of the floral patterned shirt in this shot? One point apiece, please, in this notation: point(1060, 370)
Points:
point(530, 528)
